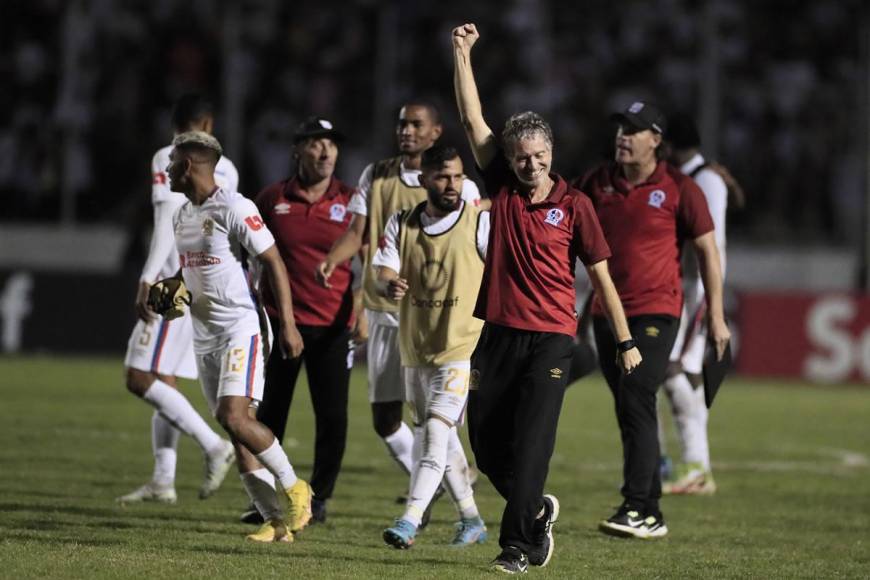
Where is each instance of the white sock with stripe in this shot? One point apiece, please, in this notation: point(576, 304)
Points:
point(400, 445)
point(277, 462)
point(164, 441)
point(260, 485)
point(176, 409)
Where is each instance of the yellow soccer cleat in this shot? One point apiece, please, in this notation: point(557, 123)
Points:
point(299, 510)
point(272, 531)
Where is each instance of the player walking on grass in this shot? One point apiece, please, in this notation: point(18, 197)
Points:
point(684, 385)
point(211, 231)
point(385, 187)
point(539, 227)
point(159, 351)
point(430, 260)
point(648, 209)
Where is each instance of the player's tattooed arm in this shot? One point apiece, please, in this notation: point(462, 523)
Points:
point(273, 267)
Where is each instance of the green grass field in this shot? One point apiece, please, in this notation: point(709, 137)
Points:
point(790, 460)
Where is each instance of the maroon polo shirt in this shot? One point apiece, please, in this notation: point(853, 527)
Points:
point(646, 226)
point(528, 279)
point(304, 232)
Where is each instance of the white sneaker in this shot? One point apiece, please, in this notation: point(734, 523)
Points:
point(216, 468)
point(149, 492)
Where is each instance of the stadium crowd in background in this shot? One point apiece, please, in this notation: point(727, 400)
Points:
point(86, 74)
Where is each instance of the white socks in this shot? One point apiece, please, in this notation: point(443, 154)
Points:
point(177, 410)
point(400, 446)
point(164, 441)
point(690, 414)
point(276, 461)
point(260, 485)
point(441, 451)
point(456, 477)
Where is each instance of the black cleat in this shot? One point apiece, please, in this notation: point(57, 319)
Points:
point(251, 516)
point(625, 523)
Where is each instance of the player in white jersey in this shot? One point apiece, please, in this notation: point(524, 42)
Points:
point(418, 128)
point(159, 350)
point(684, 385)
point(437, 335)
point(212, 229)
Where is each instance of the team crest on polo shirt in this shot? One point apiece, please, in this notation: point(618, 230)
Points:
point(282, 208)
point(657, 198)
point(207, 226)
point(554, 216)
point(337, 212)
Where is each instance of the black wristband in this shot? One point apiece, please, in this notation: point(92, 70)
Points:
point(626, 345)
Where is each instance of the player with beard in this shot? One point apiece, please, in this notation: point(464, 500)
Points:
point(430, 260)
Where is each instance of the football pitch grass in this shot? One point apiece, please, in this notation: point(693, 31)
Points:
point(791, 463)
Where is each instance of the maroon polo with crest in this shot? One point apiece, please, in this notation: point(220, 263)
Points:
point(528, 278)
point(646, 226)
point(304, 233)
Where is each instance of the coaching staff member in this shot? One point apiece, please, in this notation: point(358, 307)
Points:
point(647, 208)
point(539, 227)
point(307, 213)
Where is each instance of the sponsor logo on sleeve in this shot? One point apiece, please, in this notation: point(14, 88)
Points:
point(337, 212)
point(657, 198)
point(254, 222)
point(159, 178)
point(554, 216)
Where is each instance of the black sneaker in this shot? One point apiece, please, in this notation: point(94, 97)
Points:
point(318, 511)
point(511, 561)
point(543, 533)
point(251, 516)
point(655, 526)
point(625, 523)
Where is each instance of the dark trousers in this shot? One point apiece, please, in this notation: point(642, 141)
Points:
point(518, 383)
point(327, 365)
point(635, 399)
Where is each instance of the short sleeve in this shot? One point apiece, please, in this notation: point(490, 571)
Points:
point(159, 180)
point(387, 254)
point(470, 192)
point(497, 174)
point(359, 200)
point(245, 223)
point(228, 174)
point(693, 214)
point(589, 242)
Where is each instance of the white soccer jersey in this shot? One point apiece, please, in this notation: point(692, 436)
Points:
point(411, 178)
point(210, 238)
point(162, 259)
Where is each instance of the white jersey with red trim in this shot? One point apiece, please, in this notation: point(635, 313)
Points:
point(162, 259)
point(210, 239)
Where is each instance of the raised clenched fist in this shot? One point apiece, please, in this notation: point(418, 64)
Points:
point(465, 36)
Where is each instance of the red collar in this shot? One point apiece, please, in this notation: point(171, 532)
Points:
point(293, 189)
point(621, 184)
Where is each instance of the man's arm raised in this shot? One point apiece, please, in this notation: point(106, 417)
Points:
point(480, 136)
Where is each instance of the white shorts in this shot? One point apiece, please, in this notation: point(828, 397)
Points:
point(384, 364)
point(441, 391)
point(163, 347)
point(691, 341)
point(234, 371)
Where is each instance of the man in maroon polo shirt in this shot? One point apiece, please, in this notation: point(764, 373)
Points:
point(307, 213)
point(540, 226)
point(647, 208)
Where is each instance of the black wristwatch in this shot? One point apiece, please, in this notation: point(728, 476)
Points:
point(626, 345)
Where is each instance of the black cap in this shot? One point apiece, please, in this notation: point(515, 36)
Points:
point(682, 132)
point(642, 116)
point(317, 127)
